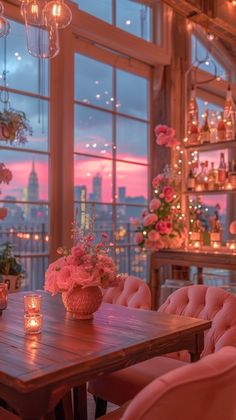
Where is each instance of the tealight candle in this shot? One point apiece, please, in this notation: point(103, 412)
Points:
point(3, 296)
point(33, 323)
point(32, 304)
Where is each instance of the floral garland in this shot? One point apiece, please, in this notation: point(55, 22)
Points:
point(163, 226)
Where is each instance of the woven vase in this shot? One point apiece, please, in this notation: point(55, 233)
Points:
point(82, 303)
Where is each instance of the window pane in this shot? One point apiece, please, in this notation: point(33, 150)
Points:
point(212, 108)
point(134, 18)
point(36, 112)
point(30, 176)
point(95, 175)
point(209, 62)
point(26, 227)
point(132, 93)
point(102, 9)
point(131, 183)
point(132, 140)
point(20, 64)
point(131, 260)
point(93, 82)
point(35, 268)
point(93, 131)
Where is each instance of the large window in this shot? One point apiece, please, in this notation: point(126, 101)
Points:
point(111, 133)
point(27, 196)
point(128, 15)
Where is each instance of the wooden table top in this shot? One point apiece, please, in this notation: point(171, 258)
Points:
point(73, 351)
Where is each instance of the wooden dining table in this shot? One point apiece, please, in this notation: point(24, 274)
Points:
point(37, 371)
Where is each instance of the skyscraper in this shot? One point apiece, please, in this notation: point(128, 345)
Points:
point(33, 185)
point(97, 188)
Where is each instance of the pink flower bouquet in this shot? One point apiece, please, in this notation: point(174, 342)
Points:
point(86, 264)
point(165, 136)
point(161, 227)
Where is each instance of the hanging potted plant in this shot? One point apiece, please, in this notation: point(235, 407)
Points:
point(11, 271)
point(14, 126)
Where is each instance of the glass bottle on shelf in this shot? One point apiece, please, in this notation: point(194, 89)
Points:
point(230, 127)
point(213, 127)
point(196, 234)
point(193, 133)
point(216, 232)
point(212, 178)
point(200, 179)
point(232, 173)
point(229, 114)
point(205, 135)
point(221, 128)
point(206, 170)
point(222, 171)
point(191, 181)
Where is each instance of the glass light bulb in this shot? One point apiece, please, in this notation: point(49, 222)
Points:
point(56, 11)
point(32, 11)
point(42, 42)
point(4, 27)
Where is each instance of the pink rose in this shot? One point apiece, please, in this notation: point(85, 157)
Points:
point(168, 193)
point(160, 128)
point(153, 235)
point(154, 204)
point(51, 282)
point(152, 246)
point(157, 180)
point(149, 219)
point(84, 278)
point(161, 139)
point(138, 238)
point(164, 227)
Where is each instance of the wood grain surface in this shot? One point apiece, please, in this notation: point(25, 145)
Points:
point(37, 370)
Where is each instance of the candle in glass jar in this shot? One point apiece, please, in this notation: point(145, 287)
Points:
point(33, 323)
point(32, 304)
point(3, 296)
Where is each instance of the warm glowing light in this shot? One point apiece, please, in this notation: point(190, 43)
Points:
point(34, 9)
point(56, 10)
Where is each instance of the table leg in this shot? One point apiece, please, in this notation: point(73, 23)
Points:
point(195, 356)
point(155, 287)
point(80, 402)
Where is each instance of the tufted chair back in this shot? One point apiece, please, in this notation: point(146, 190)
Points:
point(132, 292)
point(203, 390)
point(210, 303)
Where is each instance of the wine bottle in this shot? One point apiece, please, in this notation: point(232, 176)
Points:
point(216, 232)
point(222, 170)
point(205, 130)
point(212, 179)
point(221, 129)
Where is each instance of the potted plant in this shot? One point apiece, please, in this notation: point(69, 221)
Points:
point(11, 270)
point(14, 126)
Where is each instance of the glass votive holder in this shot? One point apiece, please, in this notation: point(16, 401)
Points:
point(3, 296)
point(33, 323)
point(32, 304)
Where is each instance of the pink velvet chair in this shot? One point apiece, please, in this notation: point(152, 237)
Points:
point(198, 301)
point(204, 390)
point(132, 292)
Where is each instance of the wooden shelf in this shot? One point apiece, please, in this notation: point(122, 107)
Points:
point(211, 192)
point(212, 146)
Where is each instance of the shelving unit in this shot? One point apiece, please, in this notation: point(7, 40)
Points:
point(228, 190)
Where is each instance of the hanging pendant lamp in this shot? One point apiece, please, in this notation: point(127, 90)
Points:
point(56, 11)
